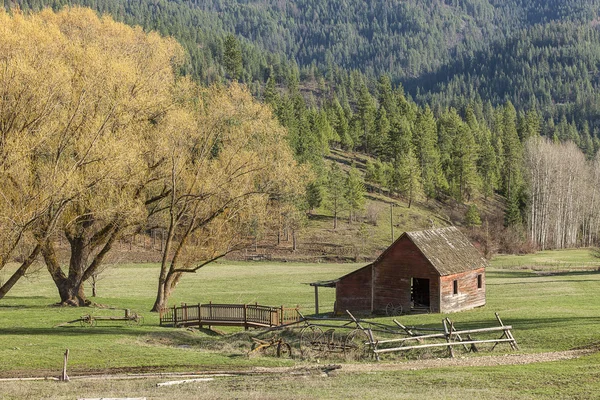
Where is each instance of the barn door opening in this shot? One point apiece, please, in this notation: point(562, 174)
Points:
point(419, 294)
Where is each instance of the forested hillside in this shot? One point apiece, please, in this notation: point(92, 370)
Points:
point(441, 96)
point(538, 54)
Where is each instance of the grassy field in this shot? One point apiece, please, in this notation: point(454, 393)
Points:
point(551, 299)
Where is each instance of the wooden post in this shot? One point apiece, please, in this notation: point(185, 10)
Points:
point(448, 339)
point(245, 317)
point(64, 377)
point(281, 317)
point(508, 334)
point(199, 315)
point(316, 300)
point(174, 316)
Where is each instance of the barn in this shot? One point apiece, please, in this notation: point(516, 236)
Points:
point(435, 270)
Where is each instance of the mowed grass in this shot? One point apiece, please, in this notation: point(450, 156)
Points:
point(30, 341)
point(549, 311)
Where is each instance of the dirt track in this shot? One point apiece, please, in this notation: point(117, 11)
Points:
point(482, 361)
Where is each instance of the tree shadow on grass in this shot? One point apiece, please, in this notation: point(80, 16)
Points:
point(524, 275)
point(71, 331)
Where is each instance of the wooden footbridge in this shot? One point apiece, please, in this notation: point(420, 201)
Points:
point(246, 315)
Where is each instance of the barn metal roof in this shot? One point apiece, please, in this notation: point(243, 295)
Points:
point(447, 249)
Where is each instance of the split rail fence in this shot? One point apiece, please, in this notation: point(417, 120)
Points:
point(449, 336)
point(246, 315)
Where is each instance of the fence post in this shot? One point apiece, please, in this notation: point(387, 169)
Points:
point(199, 315)
point(174, 316)
point(245, 317)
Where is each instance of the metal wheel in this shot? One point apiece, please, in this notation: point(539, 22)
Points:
point(392, 310)
point(87, 321)
point(357, 346)
point(135, 320)
point(311, 341)
point(284, 350)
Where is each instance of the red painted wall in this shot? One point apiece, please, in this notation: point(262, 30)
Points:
point(353, 292)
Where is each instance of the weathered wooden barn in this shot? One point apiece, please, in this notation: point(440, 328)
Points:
point(433, 270)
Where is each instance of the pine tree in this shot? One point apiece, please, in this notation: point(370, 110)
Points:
point(354, 192)
point(386, 95)
point(458, 155)
point(271, 96)
point(365, 119)
point(428, 154)
point(380, 134)
point(314, 195)
point(232, 57)
point(410, 177)
point(512, 177)
point(512, 214)
point(472, 217)
point(335, 191)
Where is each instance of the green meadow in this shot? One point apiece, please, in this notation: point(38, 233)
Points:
point(551, 299)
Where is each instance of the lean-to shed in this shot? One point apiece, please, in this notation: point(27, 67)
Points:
point(435, 270)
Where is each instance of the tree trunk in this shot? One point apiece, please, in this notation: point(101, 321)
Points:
point(20, 272)
point(70, 288)
point(165, 288)
point(94, 292)
point(72, 294)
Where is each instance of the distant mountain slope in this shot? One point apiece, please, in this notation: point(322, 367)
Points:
point(552, 67)
point(538, 53)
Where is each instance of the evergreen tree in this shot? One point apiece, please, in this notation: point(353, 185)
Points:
point(427, 154)
point(512, 177)
point(472, 217)
point(335, 191)
point(459, 155)
point(314, 194)
point(271, 96)
point(410, 177)
point(232, 57)
point(380, 133)
point(354, 193)
point(365, 119)
point(386, 95)
point(512, 213)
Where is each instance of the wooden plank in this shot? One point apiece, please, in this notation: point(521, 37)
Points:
point(423, 346)
point(441, 335)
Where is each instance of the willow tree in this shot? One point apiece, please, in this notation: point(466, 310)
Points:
point(227, 163)
point(81, 95)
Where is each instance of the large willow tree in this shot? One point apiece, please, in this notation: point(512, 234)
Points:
point(227, 167)
point(99, 135)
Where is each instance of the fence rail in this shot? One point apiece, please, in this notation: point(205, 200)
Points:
point(246, 315)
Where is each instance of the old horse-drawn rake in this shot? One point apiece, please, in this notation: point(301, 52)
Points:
point(349, 340)
point(351, 344)
point(353, 339)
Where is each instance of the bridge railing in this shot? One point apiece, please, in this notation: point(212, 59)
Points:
point(228, 314)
